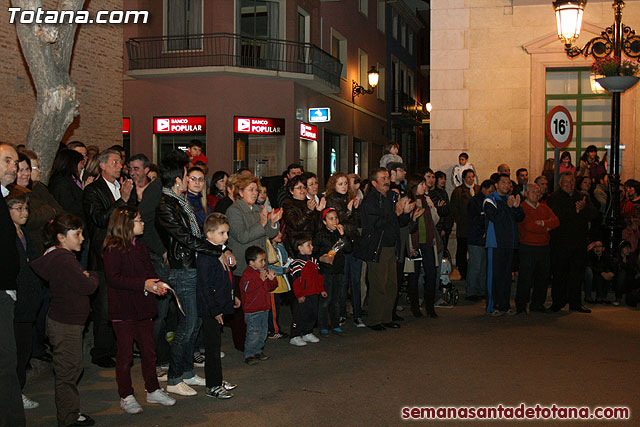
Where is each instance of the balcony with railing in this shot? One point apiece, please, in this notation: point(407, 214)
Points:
point(406, 110)
point(232, 53)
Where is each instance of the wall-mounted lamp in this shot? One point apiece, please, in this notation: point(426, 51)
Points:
point(373, 76)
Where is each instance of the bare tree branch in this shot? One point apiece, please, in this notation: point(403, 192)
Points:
point(47, 50)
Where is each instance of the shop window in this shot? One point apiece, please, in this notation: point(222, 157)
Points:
point(380, 89)
point(339, 50)
point(394, 25)
point(590, 110)
point(363, 67)
point(183, 20)
point(363, 7)
point(381, 14)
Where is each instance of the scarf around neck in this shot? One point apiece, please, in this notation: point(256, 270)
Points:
point(186, 206)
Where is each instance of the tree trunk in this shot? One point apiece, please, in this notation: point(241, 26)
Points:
point(47, 50)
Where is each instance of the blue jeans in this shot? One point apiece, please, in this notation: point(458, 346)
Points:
point(183, 281)
point(159, 322)
point(256, 332)
point(352, 277)
point(477, 271)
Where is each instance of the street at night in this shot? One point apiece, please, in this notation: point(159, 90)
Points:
point(463, 358)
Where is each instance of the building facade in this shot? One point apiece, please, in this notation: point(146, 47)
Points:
point(498, 66)
point(96, 70)
point(404, 109)
point(242, 76)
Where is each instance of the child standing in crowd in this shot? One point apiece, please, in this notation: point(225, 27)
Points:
point(70, 289)
point(195, 152)
point(278, 260)
point(331, 269)
point(307, 284)
point(130, 279)
point(463, 165)
point(599, 275)
point(29, 290)
point(215, 299)
point(390, 155)
point(255, 285)
point(565, 163)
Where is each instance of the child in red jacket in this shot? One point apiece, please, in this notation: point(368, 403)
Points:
point(307, 285)
point(255, 287)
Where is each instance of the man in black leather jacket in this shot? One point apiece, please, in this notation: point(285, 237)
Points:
point(382, 215)
point(99, 200)
point(183, 238)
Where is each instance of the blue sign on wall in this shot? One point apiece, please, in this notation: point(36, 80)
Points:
point(319, 115)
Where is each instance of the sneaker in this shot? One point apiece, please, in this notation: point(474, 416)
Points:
point(261, 356)
point(130, 405)
point(616, 302)
point(28, 403)
point(163, 377)
point(251, 360)
point(195, 380)
point(228, 385)
point(182, 389)
point(310, 338)
point(160, 396)
point(198, 360)
point(297, 341)
point(277, 336)
point(442, 304)
point(359, 323)
point(222, 354)
point(342, 321)
point(219, 392)
point(83, 420)
point(324, 332)
point(338, 331)
point(498, 313)
point(512, 312)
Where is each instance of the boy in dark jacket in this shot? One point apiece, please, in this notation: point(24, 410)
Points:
point(307, 284)
point(255, 286)
point(331, 269)
point(214, 297)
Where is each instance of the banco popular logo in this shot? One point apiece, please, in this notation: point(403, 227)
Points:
point(163, 125)
point(244, 125)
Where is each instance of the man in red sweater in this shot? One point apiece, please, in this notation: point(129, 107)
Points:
point(535, 253)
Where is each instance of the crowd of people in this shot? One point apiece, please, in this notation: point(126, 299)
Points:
point(165, 256)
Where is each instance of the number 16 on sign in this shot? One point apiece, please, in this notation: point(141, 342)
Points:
point(559, 131)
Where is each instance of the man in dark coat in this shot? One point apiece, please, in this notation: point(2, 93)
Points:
point(569, 244)
point(459, 199)
point(382, 215)
point(99, 200)
point(11, 409)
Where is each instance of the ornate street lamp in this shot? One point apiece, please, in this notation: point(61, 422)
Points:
point(356, 90)
point(613, 41)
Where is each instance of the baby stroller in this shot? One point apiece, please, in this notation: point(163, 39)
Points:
point(450, 294)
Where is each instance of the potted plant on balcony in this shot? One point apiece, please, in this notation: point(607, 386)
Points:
point(615, 74)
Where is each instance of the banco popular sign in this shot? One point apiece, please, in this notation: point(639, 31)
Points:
point(195, 124)
point(259, 126)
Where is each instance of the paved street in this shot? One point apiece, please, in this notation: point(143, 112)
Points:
point(461, 358)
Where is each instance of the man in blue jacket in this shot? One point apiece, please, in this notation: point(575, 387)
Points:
point(503, 211)
point(477, 268)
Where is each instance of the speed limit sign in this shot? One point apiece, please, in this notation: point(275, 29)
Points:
point(559, 127)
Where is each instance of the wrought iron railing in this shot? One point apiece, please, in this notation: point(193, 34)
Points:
point(226, 49)
point(408, 107)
